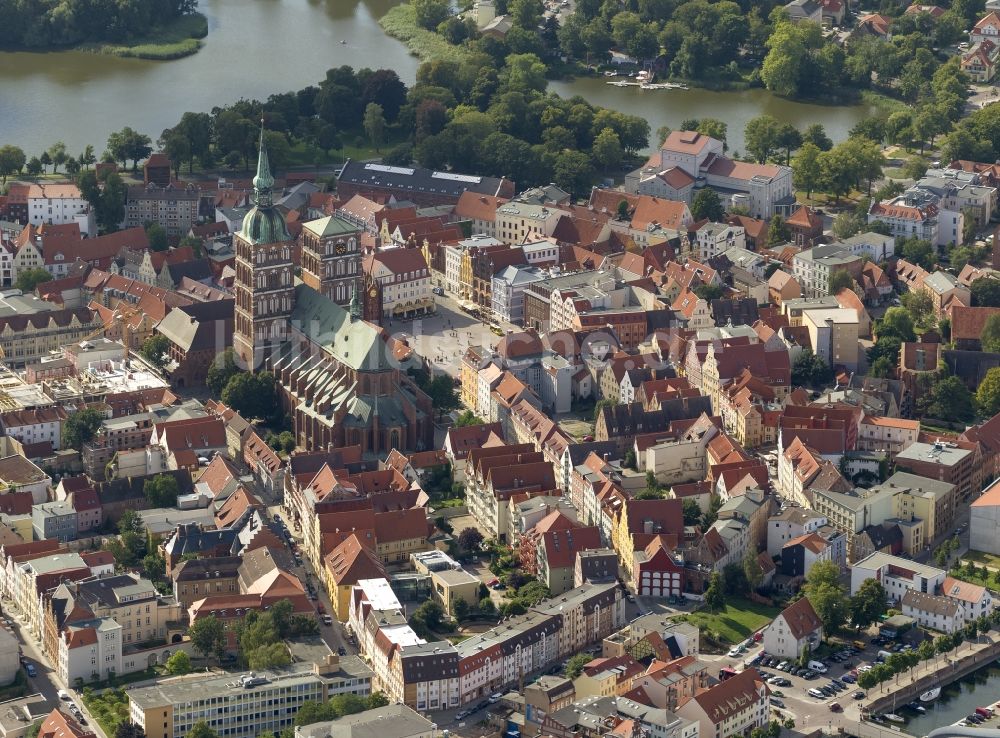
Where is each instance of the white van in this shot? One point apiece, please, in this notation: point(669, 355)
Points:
point(817, 694)
point(817, 667)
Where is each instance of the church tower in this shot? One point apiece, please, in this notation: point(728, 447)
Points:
point(264, 286)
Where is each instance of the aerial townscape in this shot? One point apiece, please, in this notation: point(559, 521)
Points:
point(499, 369)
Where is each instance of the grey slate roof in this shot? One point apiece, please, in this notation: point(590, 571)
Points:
point(417, 179)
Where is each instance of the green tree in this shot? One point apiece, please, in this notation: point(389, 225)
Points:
point(430, 13)
point(460, 609)
point(376, 700)
point(156, 350)
point(826, 594)
point(221, 371)
point(201, 730)
point(848, 223)
point(12, 161)
point(986, 292)
point(468, 418)
point(252, 395)
point(28, 279)
point(918, 251)
point(949, 399)
point(109, 208)
point(715, 596)
point(161, 490)
point(816, 135)
point(806, 171)
point(989, 338)
point(129, 144)
point(179, 663)
point(839, 280)
point(80, 427)
point(268, 656)
point(897, 322)
point(374, 124)
point(572, 171)
point(157, 237)
point(691, 511)
point(575, 664)
point(470, 539)
point(208, 635)
point(706, 204)
point(988, 393)
point(46, 160)
point(751, 569)
point(777, 231)
point(920, 307)
point(761, 137)
point(34, 166)
point(868, 603)
point(57, 152)
point(714, 503)
point(607, 149)
point(810, 370)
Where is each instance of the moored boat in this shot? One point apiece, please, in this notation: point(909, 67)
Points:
point(916, 706)
point(894, 718)
point(931, 694)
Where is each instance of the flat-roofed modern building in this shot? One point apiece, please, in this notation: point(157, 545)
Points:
point(243, 706)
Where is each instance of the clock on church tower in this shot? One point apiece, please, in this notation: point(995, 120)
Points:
point(372, 300)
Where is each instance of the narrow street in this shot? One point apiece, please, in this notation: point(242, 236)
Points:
point(46, 682)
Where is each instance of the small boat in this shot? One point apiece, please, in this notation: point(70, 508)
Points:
point(931, 694)
point(611, 74)
point(917, 707)
point(343, 41)
point(894, 718)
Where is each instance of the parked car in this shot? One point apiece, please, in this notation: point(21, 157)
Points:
point(735, 651)
point(859, 695)
point(64, 696)
point(341, 651)
point(30, 669)
point(438, 291)
point(776, 702)
point(835, 707)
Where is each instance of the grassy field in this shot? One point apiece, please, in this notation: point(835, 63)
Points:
point(401, 23)
point(983, 559)
point(736, 622)
point(178, 39)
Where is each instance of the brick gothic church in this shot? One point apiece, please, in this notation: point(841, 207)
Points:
point(342, 380)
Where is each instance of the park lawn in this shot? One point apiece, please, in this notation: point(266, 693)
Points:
point(356, 146)
point(821, 199)
point(987, 559)
point(577, 428)
point(960, 572)
point(736, 622)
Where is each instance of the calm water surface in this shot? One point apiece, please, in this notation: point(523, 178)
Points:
point(258, 47)
point(254, 48)
point(979, 689)
point(670, 107)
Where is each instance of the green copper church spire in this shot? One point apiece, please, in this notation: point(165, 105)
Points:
point(355, 307)
point(263, 182)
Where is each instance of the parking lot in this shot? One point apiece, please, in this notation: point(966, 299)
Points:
point(837, 698)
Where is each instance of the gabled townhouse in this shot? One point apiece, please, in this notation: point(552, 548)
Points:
point(639, 521)
point(973, 600)
point(732, 707)
point(604, 677)
point(795, 630)
point(888, 435)
point(494, 475)
point(931, 611)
